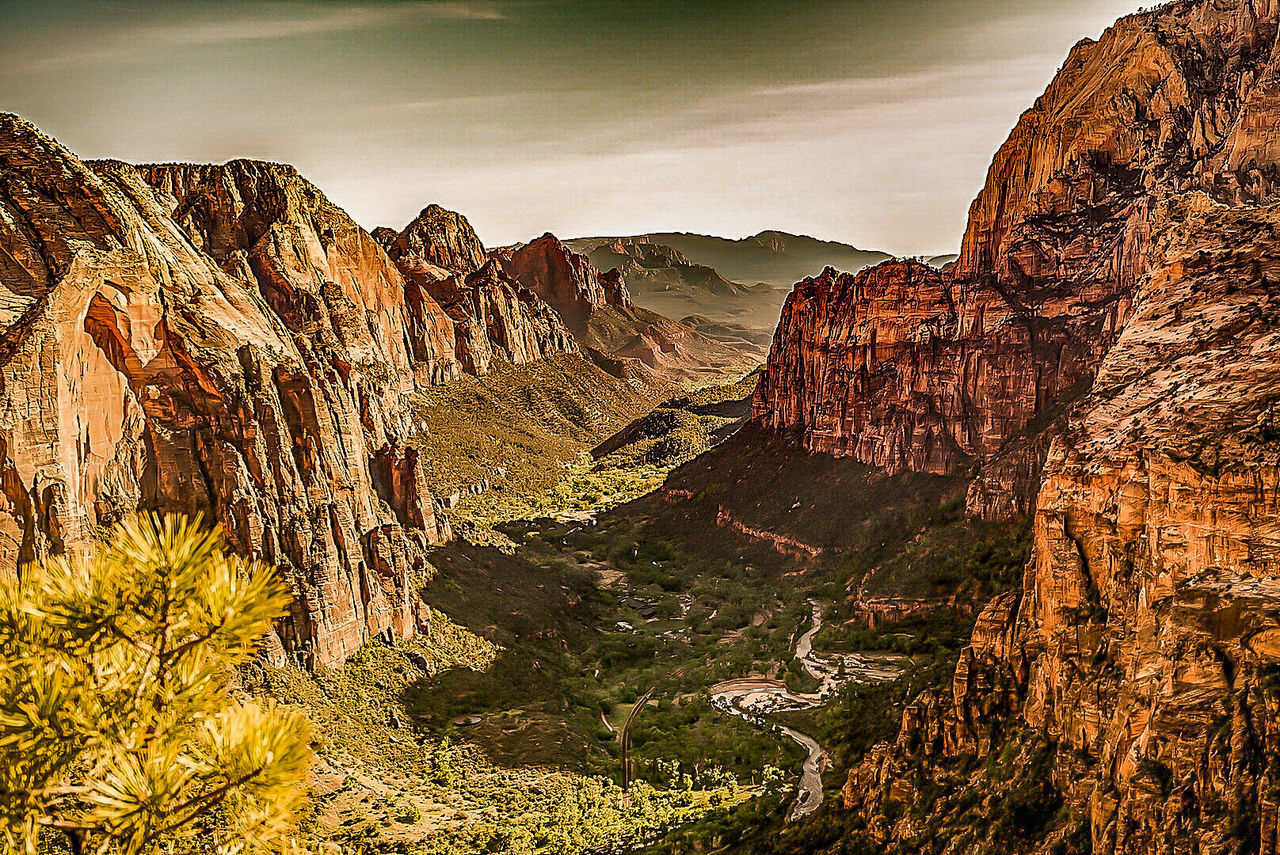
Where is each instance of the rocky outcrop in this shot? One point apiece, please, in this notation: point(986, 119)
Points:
point(621, 337)
point(781, 542)
point(265, 223)
point(438, 237)
point(211, 340)
point(493, 316)
point(1150, 614)
point(1125, 254)
point(496, 318)
point(1010, 334)
point(565, 279)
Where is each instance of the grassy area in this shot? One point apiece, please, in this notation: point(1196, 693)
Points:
point(517, 443)
point(521, 426)
point(496, 730)
point(585, 634)
point(499, 730)
point(383, 785)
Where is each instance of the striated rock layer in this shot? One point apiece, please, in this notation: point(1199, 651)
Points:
point(1144, 646)
point(213, 340)
point(1011, 333)
point(1104, 354)
point(494, 317)
point(567, 280)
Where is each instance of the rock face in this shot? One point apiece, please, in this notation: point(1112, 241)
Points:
point(1104, 352)
point(214, 340)
point(493, 316)
point(1012, 332)
point(565, 279)
point(622, 337)
point(438, 237)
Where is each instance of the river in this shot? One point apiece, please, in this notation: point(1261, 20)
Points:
point(754, 698)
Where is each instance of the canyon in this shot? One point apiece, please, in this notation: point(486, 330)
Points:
point(1102, 358)
point(224, 341)
point(1026, 498)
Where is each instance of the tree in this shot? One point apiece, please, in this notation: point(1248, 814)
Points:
point(118, 727)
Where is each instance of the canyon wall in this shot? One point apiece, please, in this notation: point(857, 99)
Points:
point(223, 340)
point(567, 280)
point(1103, 355)
point(218, 341)
point(493, 315)
point(998, 346)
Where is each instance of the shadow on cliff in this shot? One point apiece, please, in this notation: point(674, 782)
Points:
point(850, 528)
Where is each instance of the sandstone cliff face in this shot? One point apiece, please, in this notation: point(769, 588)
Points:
point(261, 390)
point(1103, 353)
point(1055, 245)
point(1151, 616)
point(621, 337)
point(494, 317)
point(567, 280)
point(1143, 644)
point(439, 237)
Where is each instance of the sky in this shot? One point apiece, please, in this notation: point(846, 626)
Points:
point(870, 122)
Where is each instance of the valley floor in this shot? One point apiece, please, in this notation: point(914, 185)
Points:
point(585, 582)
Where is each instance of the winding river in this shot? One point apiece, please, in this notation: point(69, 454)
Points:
point(754, 698)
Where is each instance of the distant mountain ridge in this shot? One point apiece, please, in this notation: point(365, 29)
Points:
point(741, 281)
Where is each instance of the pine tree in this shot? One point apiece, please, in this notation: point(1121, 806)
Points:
point(118, 727)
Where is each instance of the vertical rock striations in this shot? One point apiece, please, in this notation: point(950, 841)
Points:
point(247, 364)
point(1103, 353)
point(1056, 241)
point(494, 317)
point(567, 280)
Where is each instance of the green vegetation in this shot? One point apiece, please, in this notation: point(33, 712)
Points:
point(383, 785)
point(521, 427)
point(118, 732)
point(569, 671)
point(571, 620)
point(540, 423)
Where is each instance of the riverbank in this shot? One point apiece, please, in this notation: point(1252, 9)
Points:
point(755, 698)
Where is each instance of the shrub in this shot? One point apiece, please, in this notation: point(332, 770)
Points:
point(116, 725)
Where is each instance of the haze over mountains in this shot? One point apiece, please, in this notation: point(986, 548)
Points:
point(741, 282)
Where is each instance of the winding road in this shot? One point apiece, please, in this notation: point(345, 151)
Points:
point(753, 698)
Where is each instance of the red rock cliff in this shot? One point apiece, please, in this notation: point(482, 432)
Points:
point(565, 279)
point(1104, 352)
point(444, 262)
point(991, 352)
point(247, 365)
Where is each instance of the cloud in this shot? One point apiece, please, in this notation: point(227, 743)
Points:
point(321, 21)
point(130, 43)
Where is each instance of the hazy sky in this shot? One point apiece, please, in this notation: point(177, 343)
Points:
point(866, 121)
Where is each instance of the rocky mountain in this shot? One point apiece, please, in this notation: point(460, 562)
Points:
point(438, 237)
point(1102, 355)
point(219, 341)
point(223, 340)
point(494, 317)
point(773, 257)
point(568, 281)
point(742, 282)
point(598, 308)
point(664, 268)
